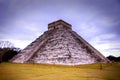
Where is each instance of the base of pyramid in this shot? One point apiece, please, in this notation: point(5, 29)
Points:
point(60, 63)
point(68, 64)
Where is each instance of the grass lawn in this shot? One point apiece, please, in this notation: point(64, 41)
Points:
point(12, 71)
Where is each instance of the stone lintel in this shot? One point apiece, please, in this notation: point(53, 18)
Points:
point(59, 24)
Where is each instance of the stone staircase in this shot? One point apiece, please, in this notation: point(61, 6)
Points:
point(29, 51)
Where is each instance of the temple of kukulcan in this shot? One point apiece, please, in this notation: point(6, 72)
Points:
point(60, 45)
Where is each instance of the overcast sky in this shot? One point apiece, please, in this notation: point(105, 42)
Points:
point(97, 21)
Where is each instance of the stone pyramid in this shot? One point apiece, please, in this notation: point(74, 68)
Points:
point(59, 45)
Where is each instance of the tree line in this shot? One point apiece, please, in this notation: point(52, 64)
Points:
point(7, 51)
point(113, 58)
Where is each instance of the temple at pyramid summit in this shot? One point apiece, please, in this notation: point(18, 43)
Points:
point(60, 45)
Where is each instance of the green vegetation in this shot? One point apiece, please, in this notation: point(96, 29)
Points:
point(12, 71)
point(7, 53)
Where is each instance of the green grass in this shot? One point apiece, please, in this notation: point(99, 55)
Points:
point(12, 71)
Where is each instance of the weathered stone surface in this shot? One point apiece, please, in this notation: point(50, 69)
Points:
point(60, 45)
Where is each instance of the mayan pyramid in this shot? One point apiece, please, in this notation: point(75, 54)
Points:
point(59, 45)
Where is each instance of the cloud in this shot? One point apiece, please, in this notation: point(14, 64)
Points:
point(107, 49)
point(18, 43)
point(115, 52)
point(106, 44)
point(95, 20)
point(104, 38)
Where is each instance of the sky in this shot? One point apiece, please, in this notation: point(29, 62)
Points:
point(97, 21)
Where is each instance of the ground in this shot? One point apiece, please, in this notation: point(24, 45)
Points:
point(12, 71)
